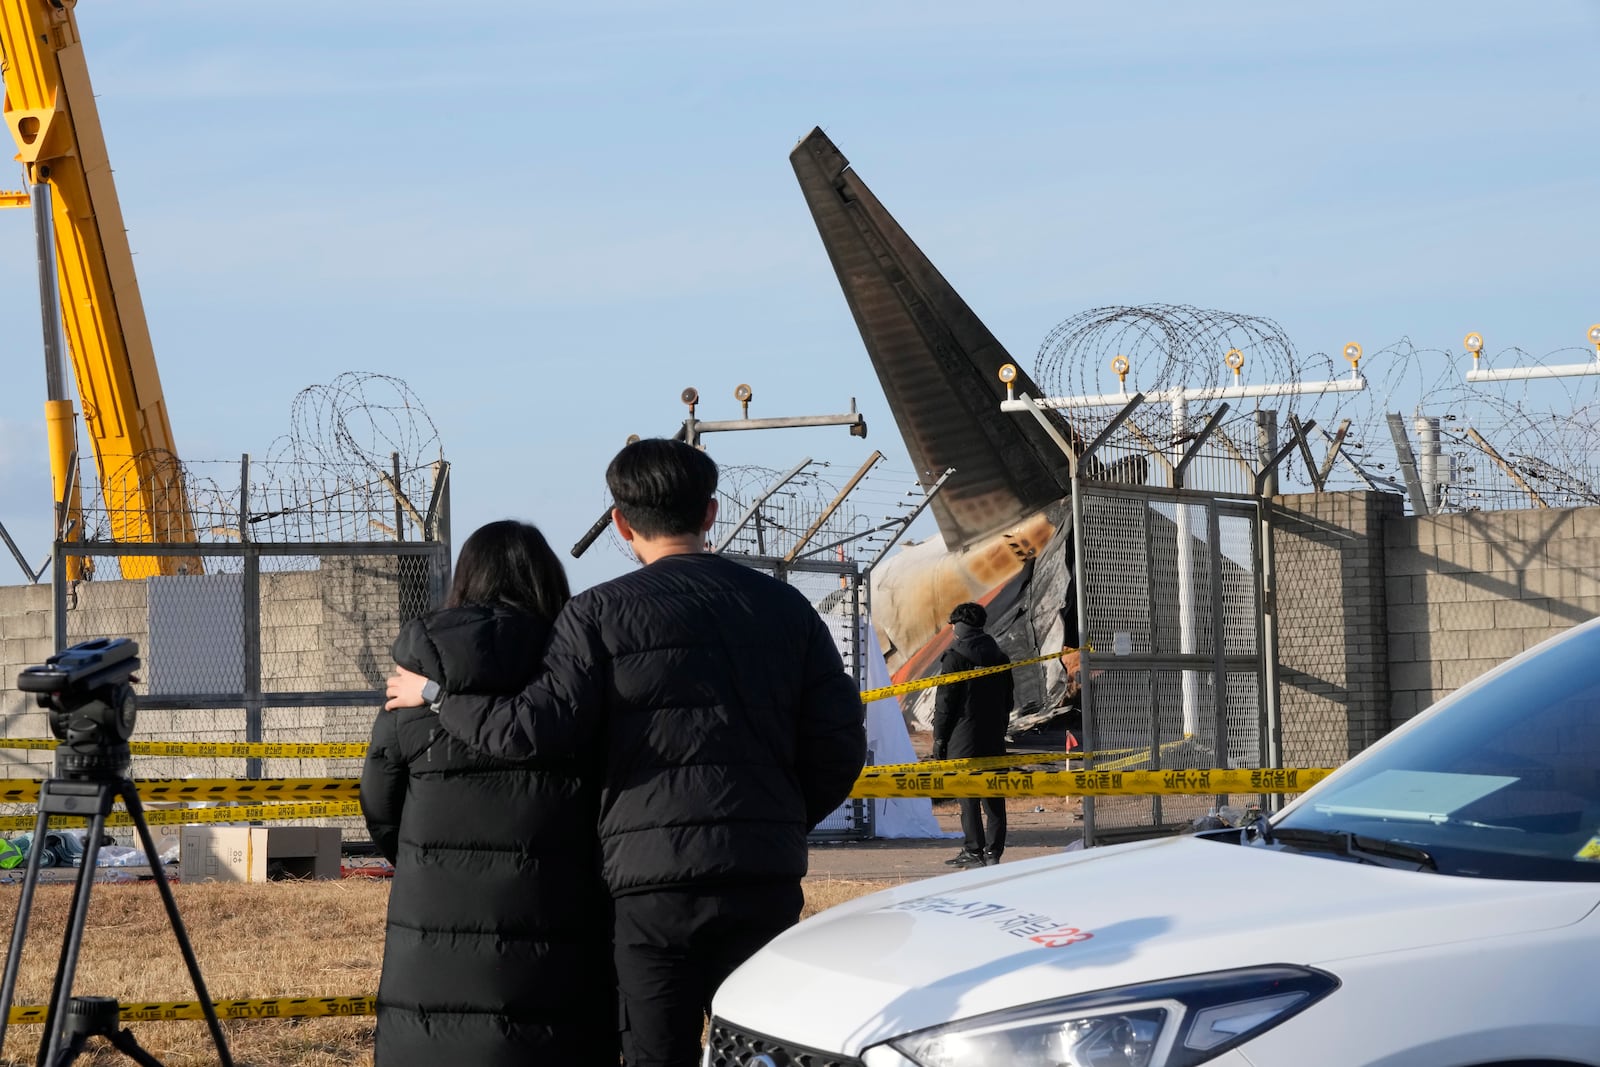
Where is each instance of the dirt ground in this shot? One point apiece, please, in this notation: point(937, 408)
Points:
point(326, 939)
point(1034, 827)
point(278, 939)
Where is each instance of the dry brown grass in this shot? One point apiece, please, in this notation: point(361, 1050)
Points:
point(279, 939)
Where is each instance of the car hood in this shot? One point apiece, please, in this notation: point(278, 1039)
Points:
point(957, 946)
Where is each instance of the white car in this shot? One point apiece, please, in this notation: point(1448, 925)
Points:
point(1433, 904)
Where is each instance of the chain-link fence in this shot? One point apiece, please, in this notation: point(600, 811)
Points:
point(267, 642)
point(1170, 607)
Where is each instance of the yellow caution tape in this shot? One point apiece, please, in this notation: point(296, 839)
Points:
point(166, 789)
point(961, 676)
point(309, 798)
point(251, 1008)
point(226, 813)
point(220, 749)
point(1120, 757)
point(978, 763)
point(1087, 783)
point(1133, 759)
point(358, 749)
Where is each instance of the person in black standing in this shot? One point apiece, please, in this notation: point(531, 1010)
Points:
point(970, 719)
point(716, 703)
point(498, 941)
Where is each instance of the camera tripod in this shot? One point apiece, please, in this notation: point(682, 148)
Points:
point(92, 711)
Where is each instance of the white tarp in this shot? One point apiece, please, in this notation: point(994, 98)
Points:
point(889, 742)
point(887, 739)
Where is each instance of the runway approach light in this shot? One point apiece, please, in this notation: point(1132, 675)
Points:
point(1008, 374)
point(1473, 343)
point(1119, 366)
point(690, 396)
point(1235, 361)
point(1352, 355)
point(1594, 337)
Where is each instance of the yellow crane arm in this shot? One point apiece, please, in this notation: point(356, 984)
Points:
point(50, 111)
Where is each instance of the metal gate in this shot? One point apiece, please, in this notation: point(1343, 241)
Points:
point(271, 642)
point(836, 588)
point(1169, 602)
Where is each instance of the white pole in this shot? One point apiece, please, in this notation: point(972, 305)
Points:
point(1186, 584)
point(1429, 460)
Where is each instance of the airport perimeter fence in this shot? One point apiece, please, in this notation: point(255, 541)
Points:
point(1169, 594)
point(275, 642)
point(288, 642)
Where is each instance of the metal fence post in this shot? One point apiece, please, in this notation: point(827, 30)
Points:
point(1267, 638)
point(1085, 681)
point(1154, 676)
point(250, 620)
point(58, 591)
point(399, 510)
point(1219, 643)
point(1267, 447)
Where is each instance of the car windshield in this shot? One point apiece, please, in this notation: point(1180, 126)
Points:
point(1502, 783)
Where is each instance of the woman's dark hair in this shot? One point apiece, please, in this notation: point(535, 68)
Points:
point(662, 486)
point(969, 613)
point(509, 563)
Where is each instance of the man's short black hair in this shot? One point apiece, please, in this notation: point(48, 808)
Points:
point(662, 486)
point(969, 613)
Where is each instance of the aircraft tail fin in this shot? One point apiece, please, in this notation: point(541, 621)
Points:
point(935, 358)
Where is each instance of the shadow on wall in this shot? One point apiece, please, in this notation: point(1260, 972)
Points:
point(1469, 591)
point(1382, 613)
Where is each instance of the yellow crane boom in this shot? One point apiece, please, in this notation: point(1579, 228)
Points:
point(50, 111)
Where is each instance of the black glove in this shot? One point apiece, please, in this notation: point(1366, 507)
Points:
point(940, 749)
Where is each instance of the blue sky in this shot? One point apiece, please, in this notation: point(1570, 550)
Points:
point(549, 220)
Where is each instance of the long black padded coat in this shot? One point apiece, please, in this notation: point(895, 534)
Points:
point(498, 944)
point(971, 717)
point(717, 701)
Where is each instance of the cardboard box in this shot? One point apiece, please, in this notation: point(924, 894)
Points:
point(257, 853)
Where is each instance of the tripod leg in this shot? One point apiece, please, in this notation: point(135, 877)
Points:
point(129, 1047)
point(70, 1053)
point(130, 799)
point(19, 928)
point(67, 966)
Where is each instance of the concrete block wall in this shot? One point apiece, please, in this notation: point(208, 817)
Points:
point(108, 609)
point(328, 628)
point(1468, 591)
point(292, 617)
point(361, 604)
point(1331, 611)
point(25, 639)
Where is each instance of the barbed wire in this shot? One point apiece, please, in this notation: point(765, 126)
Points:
point(1504, 438)
point(331, 478)
point(869, 517)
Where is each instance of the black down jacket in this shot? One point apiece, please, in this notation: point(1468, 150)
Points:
point(498, 944)
point(716, 698)
point(972, 716)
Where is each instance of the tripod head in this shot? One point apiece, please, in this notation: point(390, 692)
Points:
point(88, 693)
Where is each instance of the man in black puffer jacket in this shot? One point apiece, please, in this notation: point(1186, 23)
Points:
point(725, 726)
point(498, 929)
point(970, 719)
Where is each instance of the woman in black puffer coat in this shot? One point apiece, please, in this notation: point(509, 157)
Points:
point(498, 943)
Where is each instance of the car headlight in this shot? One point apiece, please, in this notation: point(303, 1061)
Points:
point(1174, 1023)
